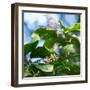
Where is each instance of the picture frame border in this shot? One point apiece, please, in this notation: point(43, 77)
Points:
point(14, 43)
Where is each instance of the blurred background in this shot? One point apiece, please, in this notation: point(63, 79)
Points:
point(32, 21)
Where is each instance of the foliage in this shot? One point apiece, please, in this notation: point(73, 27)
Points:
point(64, 61)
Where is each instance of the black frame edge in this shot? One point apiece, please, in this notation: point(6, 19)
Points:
point(50, 6)
point(86, 26)
point(12, 44)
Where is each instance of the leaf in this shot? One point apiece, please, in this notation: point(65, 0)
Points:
point(73, 56)
point(29, 47)
point(75, 27)
point(61, 25)
point(70, 48)
point(71, 68)
point(35, 37)
point(45, 34)
point(44, 67)
point(27, 71)
point(56, 63)
point(75, 40)
point(49, 42)
point(51, 37)
point(40, 52)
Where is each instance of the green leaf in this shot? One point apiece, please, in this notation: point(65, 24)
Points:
point(29, 47)
point(61, 25)
point(35, 37)
point(70, 48)
point(51, 37)
point(27, 71)
point(40, 52)
point(75, 41)
point(75, 27)
point(44, 67)
point(45, 34)
point(50, 42)
point(56, 63)
point(73, 56)
point(71, 68)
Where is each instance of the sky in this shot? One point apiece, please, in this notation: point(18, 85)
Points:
point(32, 21)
